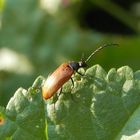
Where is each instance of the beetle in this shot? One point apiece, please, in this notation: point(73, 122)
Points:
point(63, 73)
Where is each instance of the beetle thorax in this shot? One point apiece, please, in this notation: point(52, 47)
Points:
point(76, 65)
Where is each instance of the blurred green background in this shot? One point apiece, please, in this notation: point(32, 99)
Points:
point(36, 36)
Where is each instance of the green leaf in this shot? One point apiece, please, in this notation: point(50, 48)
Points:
point(101, 106)
point(104, 106)
point(24, 116)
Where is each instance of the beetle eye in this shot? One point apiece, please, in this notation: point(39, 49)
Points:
point(82, 64)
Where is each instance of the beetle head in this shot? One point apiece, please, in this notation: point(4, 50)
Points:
point(76, 65)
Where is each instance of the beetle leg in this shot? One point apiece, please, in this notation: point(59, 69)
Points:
point(80, 73)
point(60, 91)
point(72, 82)
point(58, 94)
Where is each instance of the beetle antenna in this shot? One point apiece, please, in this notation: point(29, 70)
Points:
point(98, 49)
point(82, 57)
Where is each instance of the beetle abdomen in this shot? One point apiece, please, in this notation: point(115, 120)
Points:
point(56, 80)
